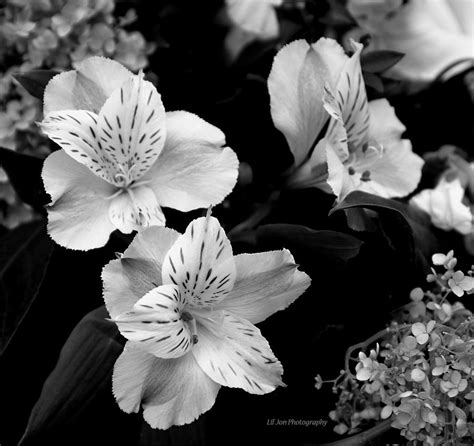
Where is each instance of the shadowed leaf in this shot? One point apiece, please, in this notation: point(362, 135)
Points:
point(24, 257)
point(35, 81)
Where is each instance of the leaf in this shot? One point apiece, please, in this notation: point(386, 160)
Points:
point(414, 224)
point(24, 172)
point(25, 253)
point(374, 81)
point(308, 245)
point(35, 81)
point(84, 368)
point(379, 61)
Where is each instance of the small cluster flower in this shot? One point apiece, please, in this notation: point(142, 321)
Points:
point(43, 34)
point(420, 374)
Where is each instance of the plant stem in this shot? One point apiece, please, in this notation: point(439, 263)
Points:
point(361, 438)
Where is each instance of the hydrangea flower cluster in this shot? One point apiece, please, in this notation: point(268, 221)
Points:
point(45, 34)
point(420, 375)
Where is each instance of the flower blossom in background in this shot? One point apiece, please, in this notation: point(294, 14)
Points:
point(445, 204)
point(434, 35)
point(41, 34)
point(188, 307)
point(123, 157)
point(251, 20)
point(362, 148)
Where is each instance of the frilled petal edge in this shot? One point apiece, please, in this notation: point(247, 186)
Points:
point(171, 391)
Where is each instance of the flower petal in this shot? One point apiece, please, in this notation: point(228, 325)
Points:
point(350, 102)
point(295, 84)
point(78, 216)
point(156, 323)
point(266, 283)
point(201, 263)
point(85, 88)
point(258, 18)
point(131, 126)
point(193, 170)
point(233, 353)
point(172, 391)
point(414, 31)
point(75, 132)
point(339, 179)
point(138, 270)
point(135, 209)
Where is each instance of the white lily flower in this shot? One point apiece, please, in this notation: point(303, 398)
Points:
point(187, 307)
point(444, 204)
point(362, 148)
point(433, 34)
point(123, 157)
point(252, 20)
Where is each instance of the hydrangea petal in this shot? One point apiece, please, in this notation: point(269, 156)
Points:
point(171, 391)
point(193, 170)
point(266, 282)
point(233, 353)
point(138, 270)
point(156, 323)
point(85, 88)
point(131, 128)
point(78, 216)
point(295, 84)
point(201, 263)
point(135, 209)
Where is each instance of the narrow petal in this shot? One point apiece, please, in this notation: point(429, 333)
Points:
point(201, 263)
point(135, 209)
point(76, 132)
point(156, 323)
point(171, 391)
point(233, 353)
point(339, 178)
point(350, 102)
point(131, 126)
point(295, 84)
point(85, 88)
point(266, 283)
point(78, 216)
point(138, 270)
point(194, 170)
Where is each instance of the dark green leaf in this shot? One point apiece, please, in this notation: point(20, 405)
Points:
point(379, 61)
point(24, 257)
point(409, 225)
point(84, 368)
point(24, 172)
point(35, 81)
point(373, 81)
point(308, 245)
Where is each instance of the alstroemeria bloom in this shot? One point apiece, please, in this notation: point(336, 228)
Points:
point(445, 206)
point(433, 34)
point(187, 307)
point(362, 148)
point(123, 157)
point(252, 20)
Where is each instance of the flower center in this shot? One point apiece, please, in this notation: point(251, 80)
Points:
point(188, 317)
